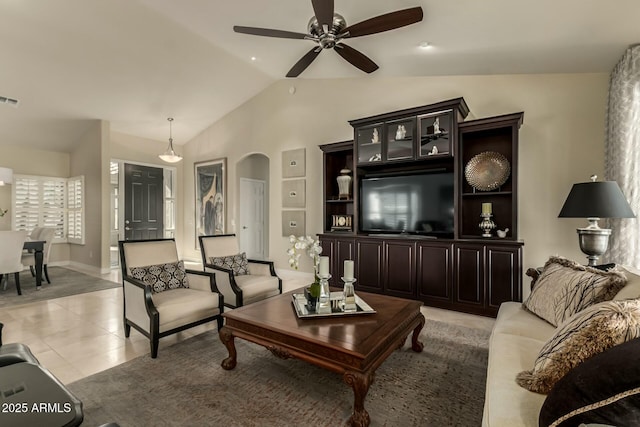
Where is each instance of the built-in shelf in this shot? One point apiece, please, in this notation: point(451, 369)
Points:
point(488, 193)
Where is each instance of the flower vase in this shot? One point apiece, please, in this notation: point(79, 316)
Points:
point(312, 298)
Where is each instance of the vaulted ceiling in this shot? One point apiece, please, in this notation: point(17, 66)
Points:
point(137, 62)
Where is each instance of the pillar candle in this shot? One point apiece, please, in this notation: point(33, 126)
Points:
point(486, 208)
point(348, 269)
point(324, 266)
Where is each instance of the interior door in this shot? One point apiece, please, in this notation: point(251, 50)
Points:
point(143, 213)
point(252, 217)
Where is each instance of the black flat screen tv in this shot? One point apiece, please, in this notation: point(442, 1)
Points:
point(415, 204)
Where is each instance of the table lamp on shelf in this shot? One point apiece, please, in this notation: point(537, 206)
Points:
point(594, 200)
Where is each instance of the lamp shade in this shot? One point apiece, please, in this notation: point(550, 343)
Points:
point(602, 199)
point(6, 176)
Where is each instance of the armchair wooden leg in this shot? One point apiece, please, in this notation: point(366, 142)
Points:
point(220, 320)
point(17, 276)
point(46, 274)
point(33, 272)
point(155, 341)
point(127, 329)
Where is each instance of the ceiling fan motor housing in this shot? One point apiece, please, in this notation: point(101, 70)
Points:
point(327, 40)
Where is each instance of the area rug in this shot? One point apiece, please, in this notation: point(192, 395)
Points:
point(64, 282)
point(186, 386)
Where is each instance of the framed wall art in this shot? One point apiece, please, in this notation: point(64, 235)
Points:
point(293, 193)
point(293, 222)
point(210, 195)
point(293, 163)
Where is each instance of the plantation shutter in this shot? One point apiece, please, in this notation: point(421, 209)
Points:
point(26, 205)
point(49, 202)
point(53, 206)
point(75, 210)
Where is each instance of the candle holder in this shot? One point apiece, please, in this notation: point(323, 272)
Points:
point(349, 295)
point(324, 300)
point(486, 225)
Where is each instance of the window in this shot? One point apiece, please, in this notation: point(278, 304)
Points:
point(49, 202)
point(75, 210)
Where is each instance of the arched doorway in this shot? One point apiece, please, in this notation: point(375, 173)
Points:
point(253, 205)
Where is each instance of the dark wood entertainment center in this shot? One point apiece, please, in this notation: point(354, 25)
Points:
point(466, 272)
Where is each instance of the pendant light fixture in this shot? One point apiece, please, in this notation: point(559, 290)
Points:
point(170, 155)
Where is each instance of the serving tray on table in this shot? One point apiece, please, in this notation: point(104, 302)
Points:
point(300, 307)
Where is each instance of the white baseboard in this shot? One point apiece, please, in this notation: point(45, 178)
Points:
point(83, 268)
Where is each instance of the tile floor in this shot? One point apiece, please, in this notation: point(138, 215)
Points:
point(80, 335)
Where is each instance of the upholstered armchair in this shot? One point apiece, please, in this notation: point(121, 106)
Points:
point(241, 280)
point(160, 296)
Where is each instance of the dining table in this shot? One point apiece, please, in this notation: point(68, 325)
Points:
point(37, 247)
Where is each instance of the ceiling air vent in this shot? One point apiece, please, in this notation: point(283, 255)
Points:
point(9, 101)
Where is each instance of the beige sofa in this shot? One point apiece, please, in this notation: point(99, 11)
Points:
point(516, 339)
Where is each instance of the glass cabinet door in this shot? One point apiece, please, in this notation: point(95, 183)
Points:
point(399, 139)
point(369, 143)
point(435, 134)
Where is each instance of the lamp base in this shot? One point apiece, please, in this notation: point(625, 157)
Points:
point(593, 242)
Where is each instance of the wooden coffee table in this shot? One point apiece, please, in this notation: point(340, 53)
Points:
point(353, 346)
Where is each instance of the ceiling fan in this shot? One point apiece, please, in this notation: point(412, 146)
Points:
point(328, 29)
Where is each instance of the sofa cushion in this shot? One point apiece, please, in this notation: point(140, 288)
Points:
point(237, 263)
point(514, 319)
point(506, 403)
point(586, 334)
point(604, 389)
point(632, 289)
point(566, 287)
point(162, 277)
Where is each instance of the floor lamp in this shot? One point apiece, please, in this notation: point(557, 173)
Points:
point(594, 200)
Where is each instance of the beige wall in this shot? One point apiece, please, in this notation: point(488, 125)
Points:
point(27, 161)
point(87, 159)
point(561, 141)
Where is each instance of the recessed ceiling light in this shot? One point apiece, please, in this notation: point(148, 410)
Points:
point(425, 45)
point(253, 58)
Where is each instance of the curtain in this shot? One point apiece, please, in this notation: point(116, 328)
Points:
point(622, 153)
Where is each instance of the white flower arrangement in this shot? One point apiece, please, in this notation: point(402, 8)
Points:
point(307, 244)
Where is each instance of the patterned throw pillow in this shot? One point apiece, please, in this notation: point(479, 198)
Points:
point(162, 277)
point(590, 332)
point(238, 263)
point(566, 287)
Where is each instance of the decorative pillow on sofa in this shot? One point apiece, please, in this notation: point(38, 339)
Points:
point(238, 263)
point(593, 330)
point(566, 287)
point(162, 277)
point(604, 389)
point(632, 289)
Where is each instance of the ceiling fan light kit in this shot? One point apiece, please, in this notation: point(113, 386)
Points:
point(328, 29)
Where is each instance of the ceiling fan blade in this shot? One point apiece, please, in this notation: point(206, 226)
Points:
point(324, 12)
point(356, 58)
point(269, 32)
point(386, 22)
point(304, 62)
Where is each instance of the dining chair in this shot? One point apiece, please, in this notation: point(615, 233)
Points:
point(11, 253)
point(43, 233)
